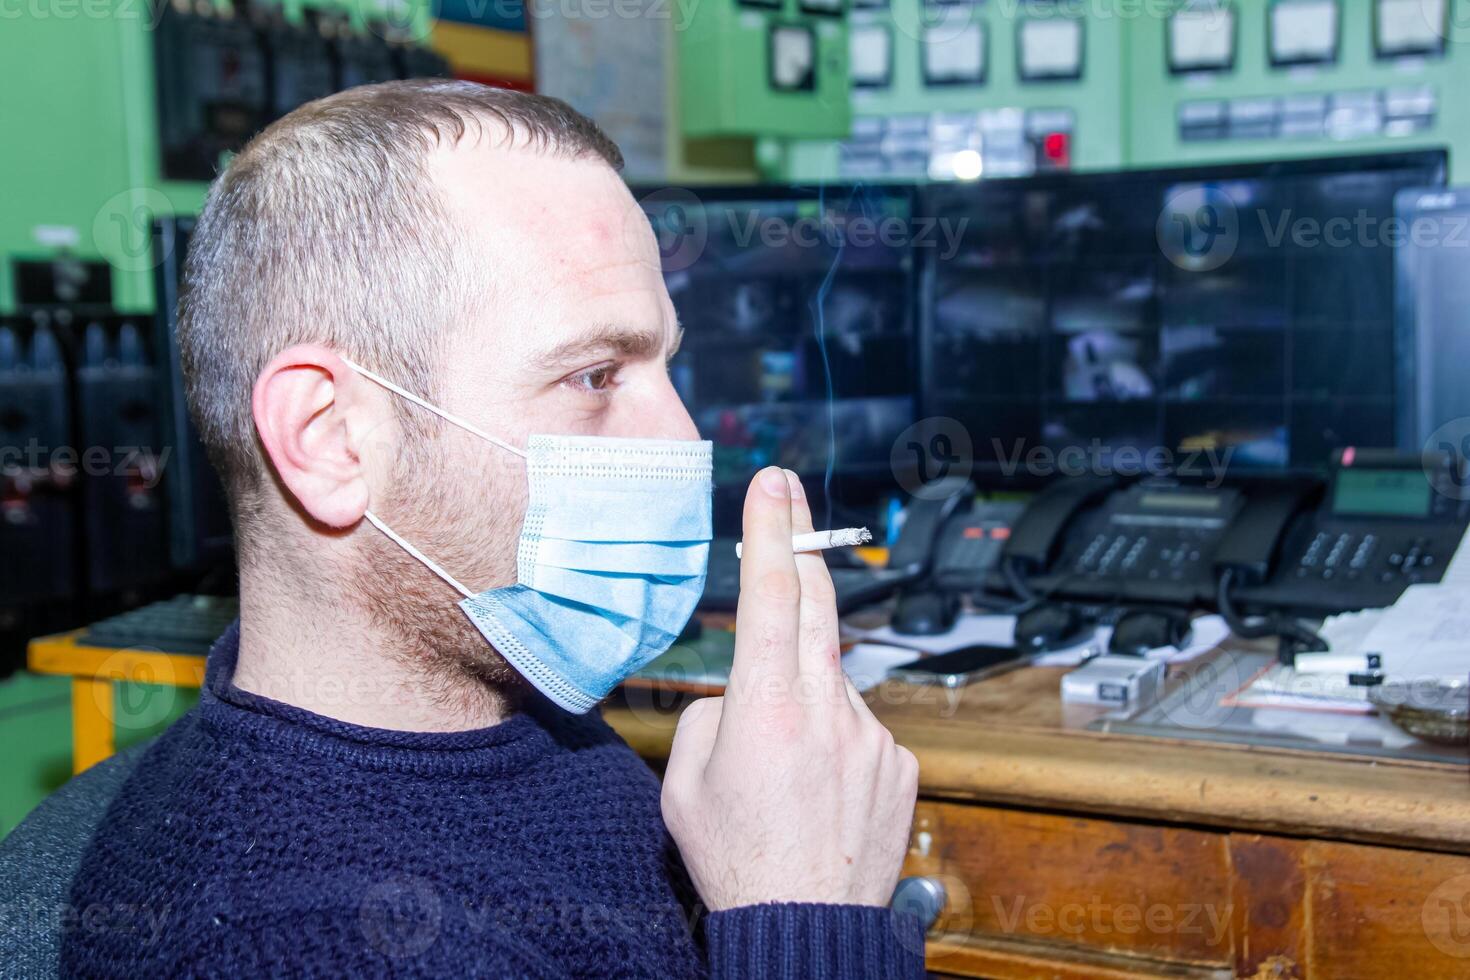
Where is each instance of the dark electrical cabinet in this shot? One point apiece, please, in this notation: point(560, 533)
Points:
point(416, 61)
point(299, 60)
point(212, 90)
point(122, 458)
point(363, 59)
point(222, 77)
point(37, 532)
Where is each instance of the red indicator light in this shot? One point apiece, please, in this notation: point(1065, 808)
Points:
point(1056, 147)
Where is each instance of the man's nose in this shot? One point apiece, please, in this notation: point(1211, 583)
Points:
point(666, 417)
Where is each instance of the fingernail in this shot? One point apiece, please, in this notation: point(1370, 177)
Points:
point(773, 482)
point(794, 482)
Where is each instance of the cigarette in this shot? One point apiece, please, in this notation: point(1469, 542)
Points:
point(843, 537)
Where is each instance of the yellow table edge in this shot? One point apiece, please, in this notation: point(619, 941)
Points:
point(93, 670)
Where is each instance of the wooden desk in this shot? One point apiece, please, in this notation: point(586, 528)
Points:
point(1072, 854)
point(1076, 854)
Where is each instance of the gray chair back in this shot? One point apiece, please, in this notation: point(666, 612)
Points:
point(39, 859)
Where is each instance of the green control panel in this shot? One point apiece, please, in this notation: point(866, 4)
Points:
point(126, 116)
point(1012, 87)
point(764, 67)
point(962, 90)
point(1270, 79)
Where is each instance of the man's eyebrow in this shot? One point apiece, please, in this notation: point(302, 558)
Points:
point(607, 339)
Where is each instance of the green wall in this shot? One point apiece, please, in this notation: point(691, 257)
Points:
point(79, 173)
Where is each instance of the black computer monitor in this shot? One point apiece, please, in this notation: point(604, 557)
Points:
point(798, 312)
point(1433, 286)
point(1190, 318)
point(200, 534)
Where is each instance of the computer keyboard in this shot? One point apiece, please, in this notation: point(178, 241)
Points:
point(183, 624)
point(855, 587)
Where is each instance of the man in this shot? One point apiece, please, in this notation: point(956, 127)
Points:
point(368, 787)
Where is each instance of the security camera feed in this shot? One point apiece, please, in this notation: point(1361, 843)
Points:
point(798, 324)
point(1238, 318)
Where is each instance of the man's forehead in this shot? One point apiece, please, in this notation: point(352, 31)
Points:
point(509, 191)
point(566, 233)
point(567, 224)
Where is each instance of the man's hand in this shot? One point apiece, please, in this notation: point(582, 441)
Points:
point(787, 789)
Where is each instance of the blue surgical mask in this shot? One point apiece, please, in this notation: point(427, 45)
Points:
point(611, 560)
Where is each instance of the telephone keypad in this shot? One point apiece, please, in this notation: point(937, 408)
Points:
point(1331, 552)
point(1161, 554)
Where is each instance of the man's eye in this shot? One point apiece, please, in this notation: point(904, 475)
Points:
point(598, 379)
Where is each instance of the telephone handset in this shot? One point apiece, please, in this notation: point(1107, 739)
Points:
point(1036, 538)
point(1250, 549)
point(1105, 540)
point(924, 520)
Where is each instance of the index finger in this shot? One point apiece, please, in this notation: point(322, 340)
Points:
point(767, 619)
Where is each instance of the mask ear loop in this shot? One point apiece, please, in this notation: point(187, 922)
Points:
point(448, 417)
point(393, 536)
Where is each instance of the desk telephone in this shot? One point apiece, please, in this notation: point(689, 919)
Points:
point(1300, 545)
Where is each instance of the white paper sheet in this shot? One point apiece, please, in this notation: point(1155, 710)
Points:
point(1426, 634)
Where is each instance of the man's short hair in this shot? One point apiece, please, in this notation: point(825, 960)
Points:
point(327, 228)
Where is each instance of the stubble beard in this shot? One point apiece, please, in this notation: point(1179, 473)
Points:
point(468, 522)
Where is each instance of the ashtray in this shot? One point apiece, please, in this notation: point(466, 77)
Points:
point(1433, 709)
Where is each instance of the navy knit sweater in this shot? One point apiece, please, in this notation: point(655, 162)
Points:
point(268, 840)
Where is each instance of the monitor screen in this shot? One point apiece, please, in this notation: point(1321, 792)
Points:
point(1237, 317)
point(1410, 27)
point(1433, 284)
point(1051, 48)
point(1202, 38)
point(1304, 32)
point(797, 309)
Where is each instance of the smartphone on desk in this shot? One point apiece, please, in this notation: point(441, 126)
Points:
point(958, 667)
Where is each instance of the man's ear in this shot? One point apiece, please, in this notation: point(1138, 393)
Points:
point(309, 408)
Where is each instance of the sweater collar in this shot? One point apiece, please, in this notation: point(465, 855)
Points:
point(507, 747)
